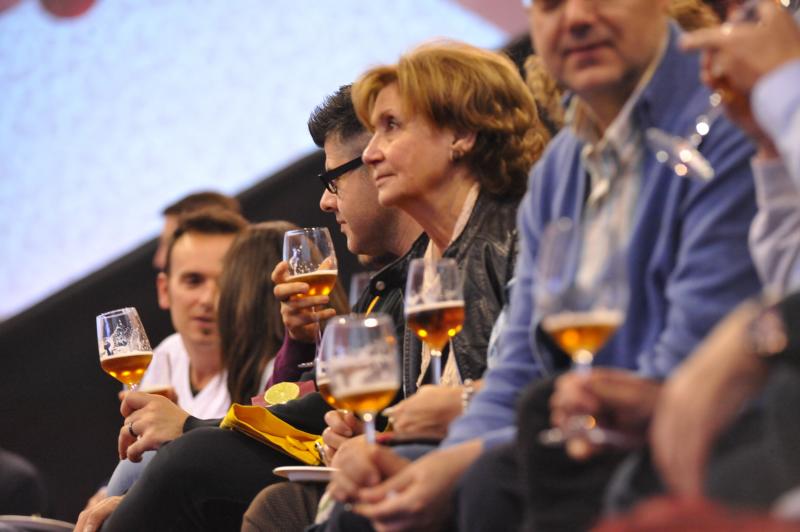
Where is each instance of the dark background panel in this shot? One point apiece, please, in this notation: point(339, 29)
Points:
point(57, 407)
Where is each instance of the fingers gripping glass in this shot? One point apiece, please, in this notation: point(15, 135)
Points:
point(329, 178)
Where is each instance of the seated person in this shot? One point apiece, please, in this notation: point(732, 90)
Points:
point(22, 490)
point(187, 366)
point(676, 229)
point(246, 316)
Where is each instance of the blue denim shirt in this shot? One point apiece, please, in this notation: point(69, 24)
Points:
point(688, 259)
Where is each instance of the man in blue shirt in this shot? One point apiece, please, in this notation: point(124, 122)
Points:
point(687, 261)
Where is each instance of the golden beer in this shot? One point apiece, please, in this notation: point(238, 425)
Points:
point(582, 332)
point(436, 323)
point(370, 398)
point(320, 282)
point(324, 389)
point(128, 368)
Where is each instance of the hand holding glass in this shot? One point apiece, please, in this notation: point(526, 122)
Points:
point(580, 317)
point(363, 366)
point(311, 259)
point(682, 153)
point(125, 351)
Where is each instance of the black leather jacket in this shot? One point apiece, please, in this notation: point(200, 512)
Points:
point(486, 252)
point(389, 284)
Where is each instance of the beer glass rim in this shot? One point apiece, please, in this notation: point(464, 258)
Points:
point(306, 230)
point(370, 320)
point(117, 312)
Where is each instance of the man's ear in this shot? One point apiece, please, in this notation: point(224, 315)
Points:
point(162, 286)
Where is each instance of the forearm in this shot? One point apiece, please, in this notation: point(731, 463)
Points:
point(291, 354)
point(192, 423)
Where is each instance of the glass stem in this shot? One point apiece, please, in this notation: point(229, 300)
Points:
point(369, 427)
point(436, 366)
point(582, 362)
point(318, 335)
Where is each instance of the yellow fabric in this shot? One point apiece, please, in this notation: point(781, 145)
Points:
point(372, 305)
point(261, 424)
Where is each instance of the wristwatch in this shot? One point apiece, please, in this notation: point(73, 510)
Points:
point(767, 332)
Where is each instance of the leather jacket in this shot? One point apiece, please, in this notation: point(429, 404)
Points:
point(486, 252)
point(389, 283)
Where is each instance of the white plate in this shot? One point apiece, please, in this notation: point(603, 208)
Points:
point(29, 522)
point(305, 473)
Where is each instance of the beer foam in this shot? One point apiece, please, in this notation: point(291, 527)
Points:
point(426, 307)
point(382, 385)
point(316, 273)
point(563, 320)
point(105, 356)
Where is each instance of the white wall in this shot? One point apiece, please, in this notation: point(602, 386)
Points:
point(106, 118)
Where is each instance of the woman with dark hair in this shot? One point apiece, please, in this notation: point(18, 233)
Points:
point(251, 332)
point(250, 325)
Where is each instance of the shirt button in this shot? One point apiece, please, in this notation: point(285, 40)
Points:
point(380, 286)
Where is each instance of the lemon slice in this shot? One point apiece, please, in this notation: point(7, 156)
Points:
point(277, 394)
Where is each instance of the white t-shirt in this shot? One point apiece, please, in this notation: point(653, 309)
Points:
point(170, 366)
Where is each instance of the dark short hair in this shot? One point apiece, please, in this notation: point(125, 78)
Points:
point(208, 221)
point(201, 200)
point(335, 116)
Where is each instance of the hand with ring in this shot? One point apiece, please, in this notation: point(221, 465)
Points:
point(150, 421)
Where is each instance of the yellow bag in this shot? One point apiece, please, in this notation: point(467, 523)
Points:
point(260, 424)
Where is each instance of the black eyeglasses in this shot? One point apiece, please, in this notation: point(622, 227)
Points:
point(329, 178)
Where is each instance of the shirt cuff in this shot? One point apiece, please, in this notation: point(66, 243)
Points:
point(774, 95)
point(772, 182)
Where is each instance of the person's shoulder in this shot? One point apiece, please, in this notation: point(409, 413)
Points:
point(172, 346)
point(170, 342)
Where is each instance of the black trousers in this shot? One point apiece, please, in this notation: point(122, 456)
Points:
point(490, 494)
point(203, 480)
point(559, 493)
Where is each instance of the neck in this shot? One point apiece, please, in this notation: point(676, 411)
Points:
point(437, 210)
point(605, 108)
point(606, 105)
point(402, 235)
point(204, 363)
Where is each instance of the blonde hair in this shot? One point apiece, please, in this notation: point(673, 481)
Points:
point(463, 88)
point(692, 14)
point(545, 91)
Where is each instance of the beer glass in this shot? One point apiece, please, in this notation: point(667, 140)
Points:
point(321, 366)
point(312, 260)
point(580, 315)
point(125, 351)
point(363, 367)
point(434, 306)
